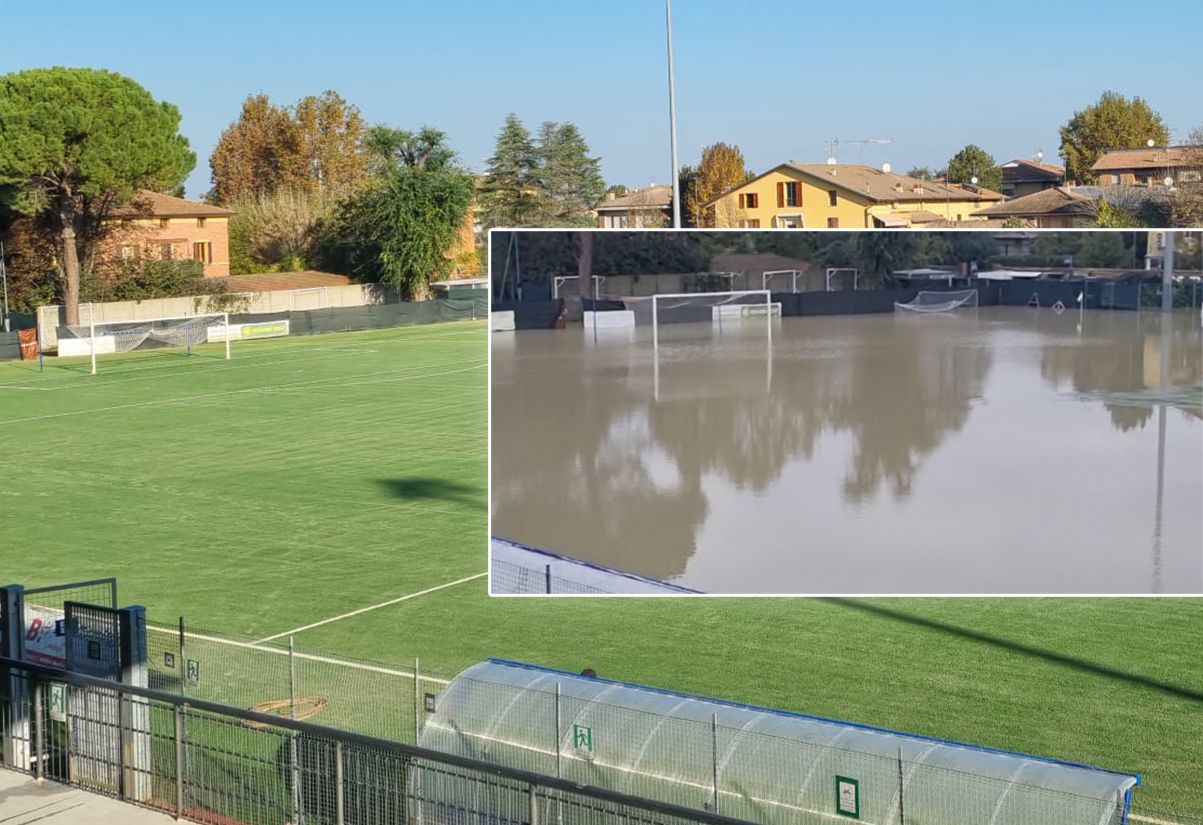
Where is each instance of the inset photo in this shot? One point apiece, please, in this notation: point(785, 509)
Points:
point(1005, 412)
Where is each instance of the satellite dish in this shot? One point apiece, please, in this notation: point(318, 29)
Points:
point(885, 167)
point(1150, 143)
point(1039, 156)
point(831, 161)
point(973, 180)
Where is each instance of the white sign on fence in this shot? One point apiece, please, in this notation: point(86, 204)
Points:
point(247, 332)
point(45, 636)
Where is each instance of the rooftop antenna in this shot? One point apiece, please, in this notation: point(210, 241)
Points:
point(1040, 156)
point(862, 141)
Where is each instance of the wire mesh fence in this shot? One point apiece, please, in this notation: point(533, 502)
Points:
point(516, 569)
point(207, 763)
point(276, 677)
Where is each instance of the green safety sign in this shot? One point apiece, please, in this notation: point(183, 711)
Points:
point(847, 797)
point(582, 739)
point(57, 700)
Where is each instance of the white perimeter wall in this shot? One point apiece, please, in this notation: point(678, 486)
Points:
point(282, 300)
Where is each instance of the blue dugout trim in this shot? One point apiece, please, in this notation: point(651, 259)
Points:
point(599, 567)
point(797, 715)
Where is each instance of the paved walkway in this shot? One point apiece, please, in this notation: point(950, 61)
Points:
point(23, 801)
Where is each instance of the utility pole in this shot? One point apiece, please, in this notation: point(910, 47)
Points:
point(672, 117)
point(4, 280)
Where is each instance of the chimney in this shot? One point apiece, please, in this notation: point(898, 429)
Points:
point(611, 195)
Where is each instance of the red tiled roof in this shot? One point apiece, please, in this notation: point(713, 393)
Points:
point(273, 281)
point(148, 204)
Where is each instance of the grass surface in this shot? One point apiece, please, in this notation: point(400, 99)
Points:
point(310, 477)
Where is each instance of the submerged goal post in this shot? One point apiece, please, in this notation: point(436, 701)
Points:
point(747, 303)
point(177, 330)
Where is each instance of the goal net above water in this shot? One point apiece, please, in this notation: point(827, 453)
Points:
point(939, 301)
point(702, 308)
point(108, 337)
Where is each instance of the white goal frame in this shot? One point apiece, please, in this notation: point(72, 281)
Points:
point(559, 280)
point(836, 270)
point(794, 274)
point(768, 320)
point(768, 307)
point(224, 316)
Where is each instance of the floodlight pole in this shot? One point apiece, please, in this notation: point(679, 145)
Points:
point(225, 319)
point(672, 116)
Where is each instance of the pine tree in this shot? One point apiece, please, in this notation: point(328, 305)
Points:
point(570, 181)
point(508, 192)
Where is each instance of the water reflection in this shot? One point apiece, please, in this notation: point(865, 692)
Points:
point(717, 465)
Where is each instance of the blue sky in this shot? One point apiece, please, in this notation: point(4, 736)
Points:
point(778, 79)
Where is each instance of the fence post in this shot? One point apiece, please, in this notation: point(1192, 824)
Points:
point(714, 755)
point(183, 663)
point(294, 767)
point(179, 762)
point(339, 801)
point(39, 751)
point(901, 809)
point(417, 698)
point(557, 740)
point(547, 577)
point(533, 791)
point(123, 739)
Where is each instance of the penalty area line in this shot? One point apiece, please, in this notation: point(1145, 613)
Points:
point(397, 600)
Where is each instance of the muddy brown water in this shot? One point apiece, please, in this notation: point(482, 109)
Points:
point(999, 450)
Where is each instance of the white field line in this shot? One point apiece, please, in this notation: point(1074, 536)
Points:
point(1152, 820)
point(397, 600)
point(309, 657)
point(338, 382)
point(258, 359)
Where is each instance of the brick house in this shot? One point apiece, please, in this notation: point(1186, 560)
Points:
point(647, 207)
point(1026, 177)
point(1150, 166)
point(164, 227)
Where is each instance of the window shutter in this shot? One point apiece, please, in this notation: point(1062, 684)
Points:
point(780, 194)
point(798, 192)
point(743, 201)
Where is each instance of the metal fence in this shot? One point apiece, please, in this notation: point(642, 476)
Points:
point(276, 677)
point(206, 762)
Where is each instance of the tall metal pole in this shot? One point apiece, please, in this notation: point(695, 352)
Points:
point(1167, 274)
point(4, 279)
point(672, 116)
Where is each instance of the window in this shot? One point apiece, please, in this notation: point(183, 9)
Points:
point(789, 193)
point(203, 252)
point(165, 250)
point(832, 198)
point(164, 223)
point(750, 223)
point(752, 199)
point(833, 223)
point(200, 223)
point(1190, 176)
point(129, 251)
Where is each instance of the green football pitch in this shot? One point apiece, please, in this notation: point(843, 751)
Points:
point(338, 484)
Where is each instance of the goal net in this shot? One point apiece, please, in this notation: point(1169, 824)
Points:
point(709, 308)
point(934, 301)
point(108, 337)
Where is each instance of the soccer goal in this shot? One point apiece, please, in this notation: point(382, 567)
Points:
point(107, 337)
point(931, 301)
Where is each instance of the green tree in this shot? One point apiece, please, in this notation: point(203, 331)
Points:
point(880, 253)
point(400, 227)
point(1114, 216)
point(921, 173)
point(1114, 122)
point(508, 191)
point(74, 144)
point(570, 183)
point(721, 169)
point(974, 162)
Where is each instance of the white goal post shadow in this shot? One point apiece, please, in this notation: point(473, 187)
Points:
point(224, 316)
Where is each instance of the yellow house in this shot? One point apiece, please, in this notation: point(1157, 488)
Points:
point(844, 196)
